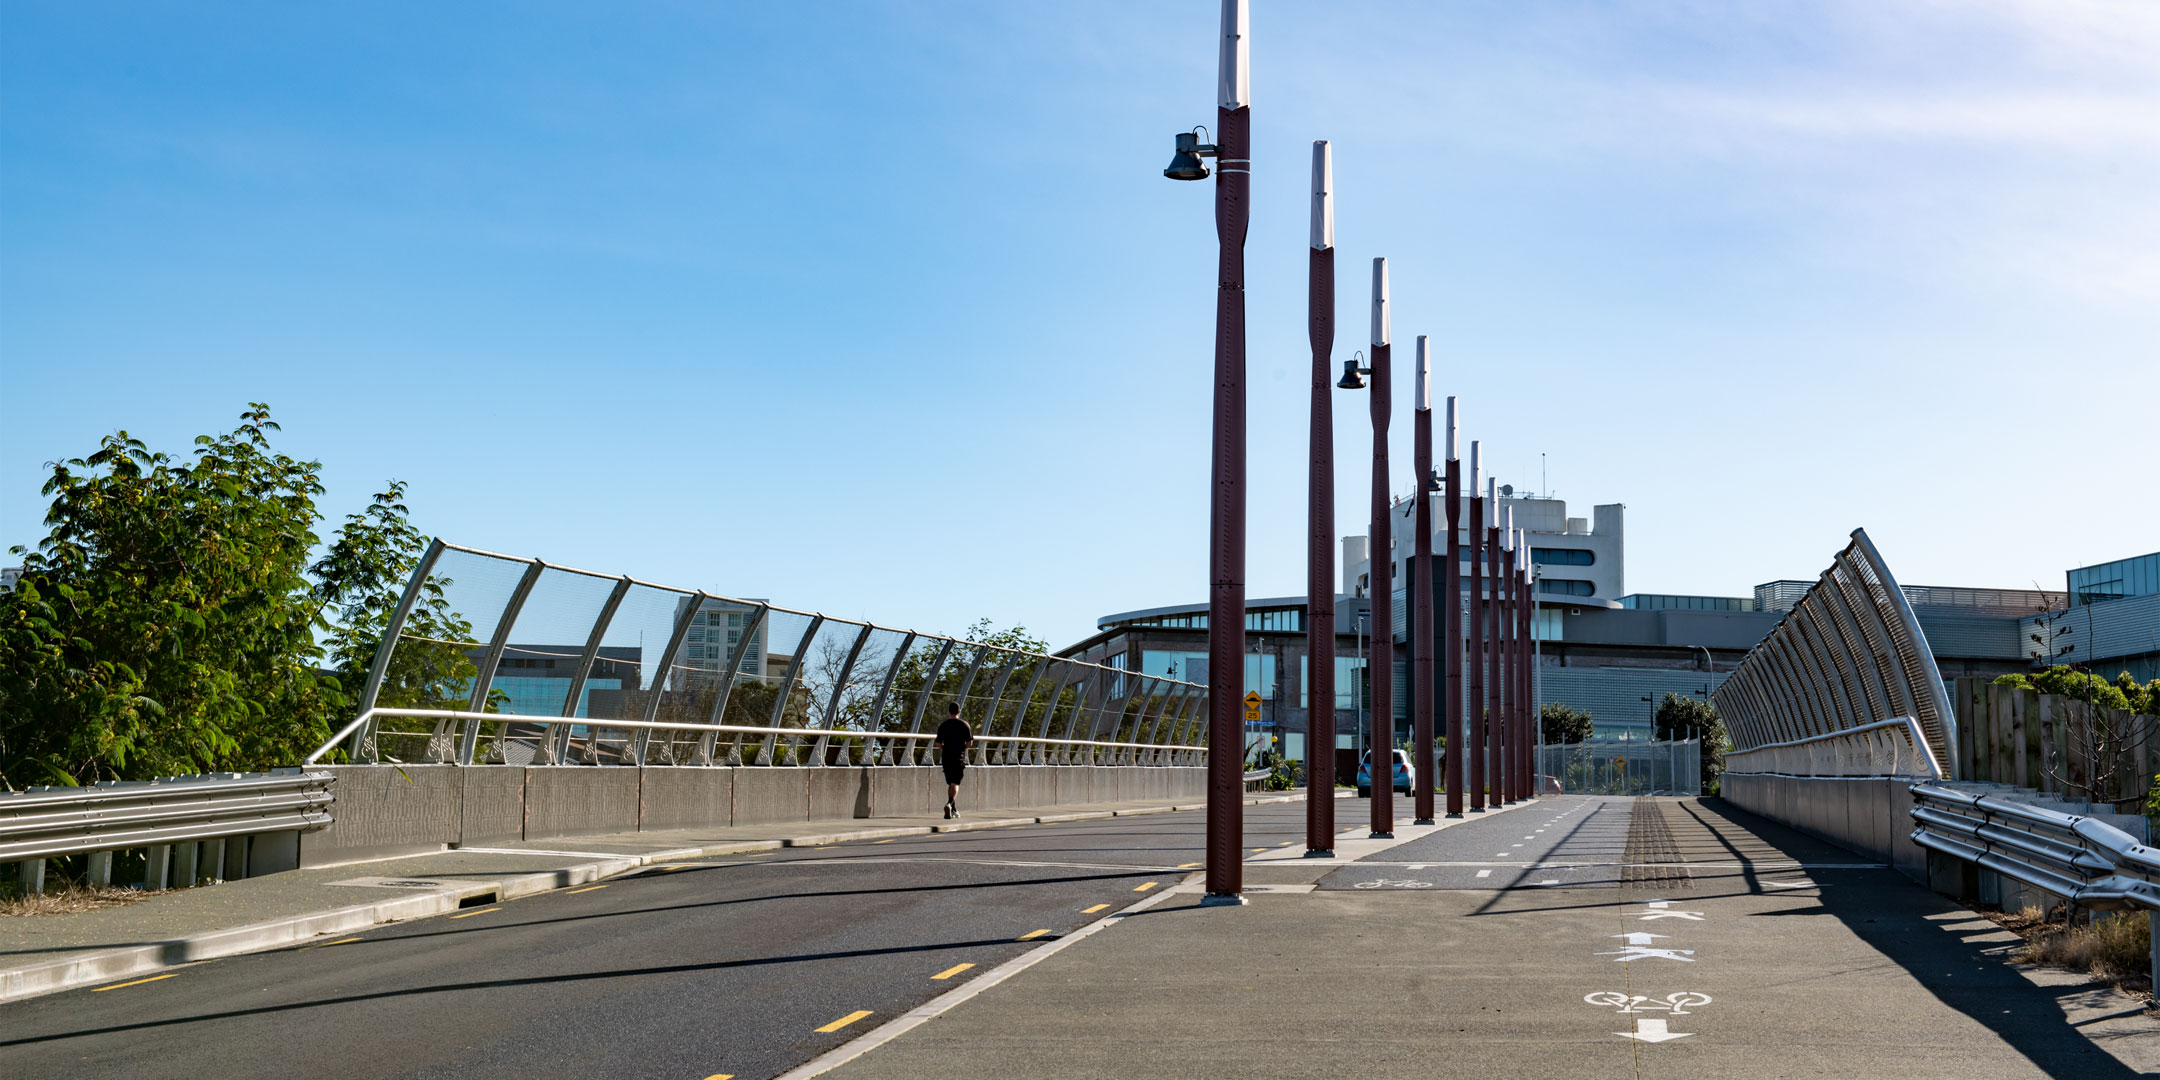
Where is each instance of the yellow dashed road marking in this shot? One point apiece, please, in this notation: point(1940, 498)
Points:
point(1093, 910)
point(1032, 934)
point(721, 1076)
point(473, 912)
point(952, 971)
point(1190, 866)
point(1145, 886)
point(587, 888)
point(138, 982)
point(843, 1021)
point(325, 944)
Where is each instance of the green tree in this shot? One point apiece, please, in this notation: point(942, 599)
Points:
point(1563, 723)
point(2123, 693)
point(164, 625)
point(1681, 717)
point(168, 623)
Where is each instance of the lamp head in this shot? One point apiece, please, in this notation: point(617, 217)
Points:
point(1353, 376)
point(1185, 163)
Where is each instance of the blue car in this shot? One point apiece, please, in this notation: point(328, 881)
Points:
point(1404, 776)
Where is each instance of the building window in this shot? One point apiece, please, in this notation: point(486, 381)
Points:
point(1564, 557)
point(1566, 587)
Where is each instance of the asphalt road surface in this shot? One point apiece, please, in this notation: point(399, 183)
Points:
point(741, 966)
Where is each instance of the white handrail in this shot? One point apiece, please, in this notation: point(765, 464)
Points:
point(1781, 755)
point(670, 725)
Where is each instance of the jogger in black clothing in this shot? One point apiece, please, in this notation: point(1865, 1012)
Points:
point(954, 736)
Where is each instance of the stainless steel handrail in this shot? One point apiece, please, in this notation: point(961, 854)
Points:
point(111, 817)
point(1868, 742)
point(676, 725)
point(2089, 863)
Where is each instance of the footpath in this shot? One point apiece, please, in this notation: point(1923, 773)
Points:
point(42, 954)
point(1561, 937)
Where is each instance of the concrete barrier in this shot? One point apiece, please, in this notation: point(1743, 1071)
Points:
point(685, 798)
point(574, 800)
point(1870, 816)
point(384, 811)
point(770, 794)
point(494, 805)
point(388, 810)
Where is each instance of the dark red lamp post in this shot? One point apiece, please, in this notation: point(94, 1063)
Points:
point(1226, 524)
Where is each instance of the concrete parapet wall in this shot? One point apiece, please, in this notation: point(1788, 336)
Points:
point(388, 810)
point(685, 798)
point(572, 800)
point(494, 805)
point(382, 811)
point(1870, 816)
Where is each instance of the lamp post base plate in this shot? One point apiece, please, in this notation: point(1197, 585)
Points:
point(1222, 900)
point(1422, 821)
point(1381, 836)
point(1320, 853)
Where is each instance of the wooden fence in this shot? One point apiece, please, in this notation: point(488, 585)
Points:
point(2054, 744)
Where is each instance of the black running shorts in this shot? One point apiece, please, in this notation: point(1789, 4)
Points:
point(955, 767)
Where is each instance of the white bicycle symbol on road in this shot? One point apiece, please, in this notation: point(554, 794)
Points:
point(1385, 883)
point(1673, 1004)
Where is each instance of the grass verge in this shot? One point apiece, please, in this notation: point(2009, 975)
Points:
point(2111, 947)
point(71, 900)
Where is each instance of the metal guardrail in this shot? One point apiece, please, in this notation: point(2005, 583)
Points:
point(1016, 749)
point(1849, 654)
point(2089, 863)
point(156, 814)
point(1885, 748)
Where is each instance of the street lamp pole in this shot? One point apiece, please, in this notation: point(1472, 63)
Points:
point(1320, 518)
point(1226, 524)
point(1383, 570)
point(1474, 746)
point(1421, 605)
point(1526, 714)
point(1503, 656)
point(1451, 636)
point(1495, 581)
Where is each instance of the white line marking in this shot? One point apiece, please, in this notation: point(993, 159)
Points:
point(944, 1003)
point(1484, 873)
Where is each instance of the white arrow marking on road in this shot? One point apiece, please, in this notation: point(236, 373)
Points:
point(1652, 1030)
point(1643, 952)
point(1639, 938)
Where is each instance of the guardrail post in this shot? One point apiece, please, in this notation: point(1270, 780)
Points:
point(32, 873)
point(157, 868)
point(184, 863)
point(213, 864)
point(100, 869)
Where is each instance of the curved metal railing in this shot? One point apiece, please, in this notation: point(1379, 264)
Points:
point(1849, 655)
point(1886, 748)
point(644, 674)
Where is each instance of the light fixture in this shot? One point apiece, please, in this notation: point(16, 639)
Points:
point(1353, 375)
point(1185, 163)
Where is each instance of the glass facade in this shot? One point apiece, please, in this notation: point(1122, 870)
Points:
point(1566, 587)
point(1346, 682)
point(1193, 667)
point(1563, 556)
point(1286, 619)
point(2138, 576)
point(1668, 602)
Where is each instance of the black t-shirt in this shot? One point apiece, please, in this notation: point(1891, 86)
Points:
point(955, 735)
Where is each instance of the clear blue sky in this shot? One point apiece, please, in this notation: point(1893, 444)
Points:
point(884, 309)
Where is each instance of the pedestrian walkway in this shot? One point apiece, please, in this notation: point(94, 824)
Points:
point(45, 953)
point(1566, 937)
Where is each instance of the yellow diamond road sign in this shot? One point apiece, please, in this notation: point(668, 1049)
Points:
point(1252, 706)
